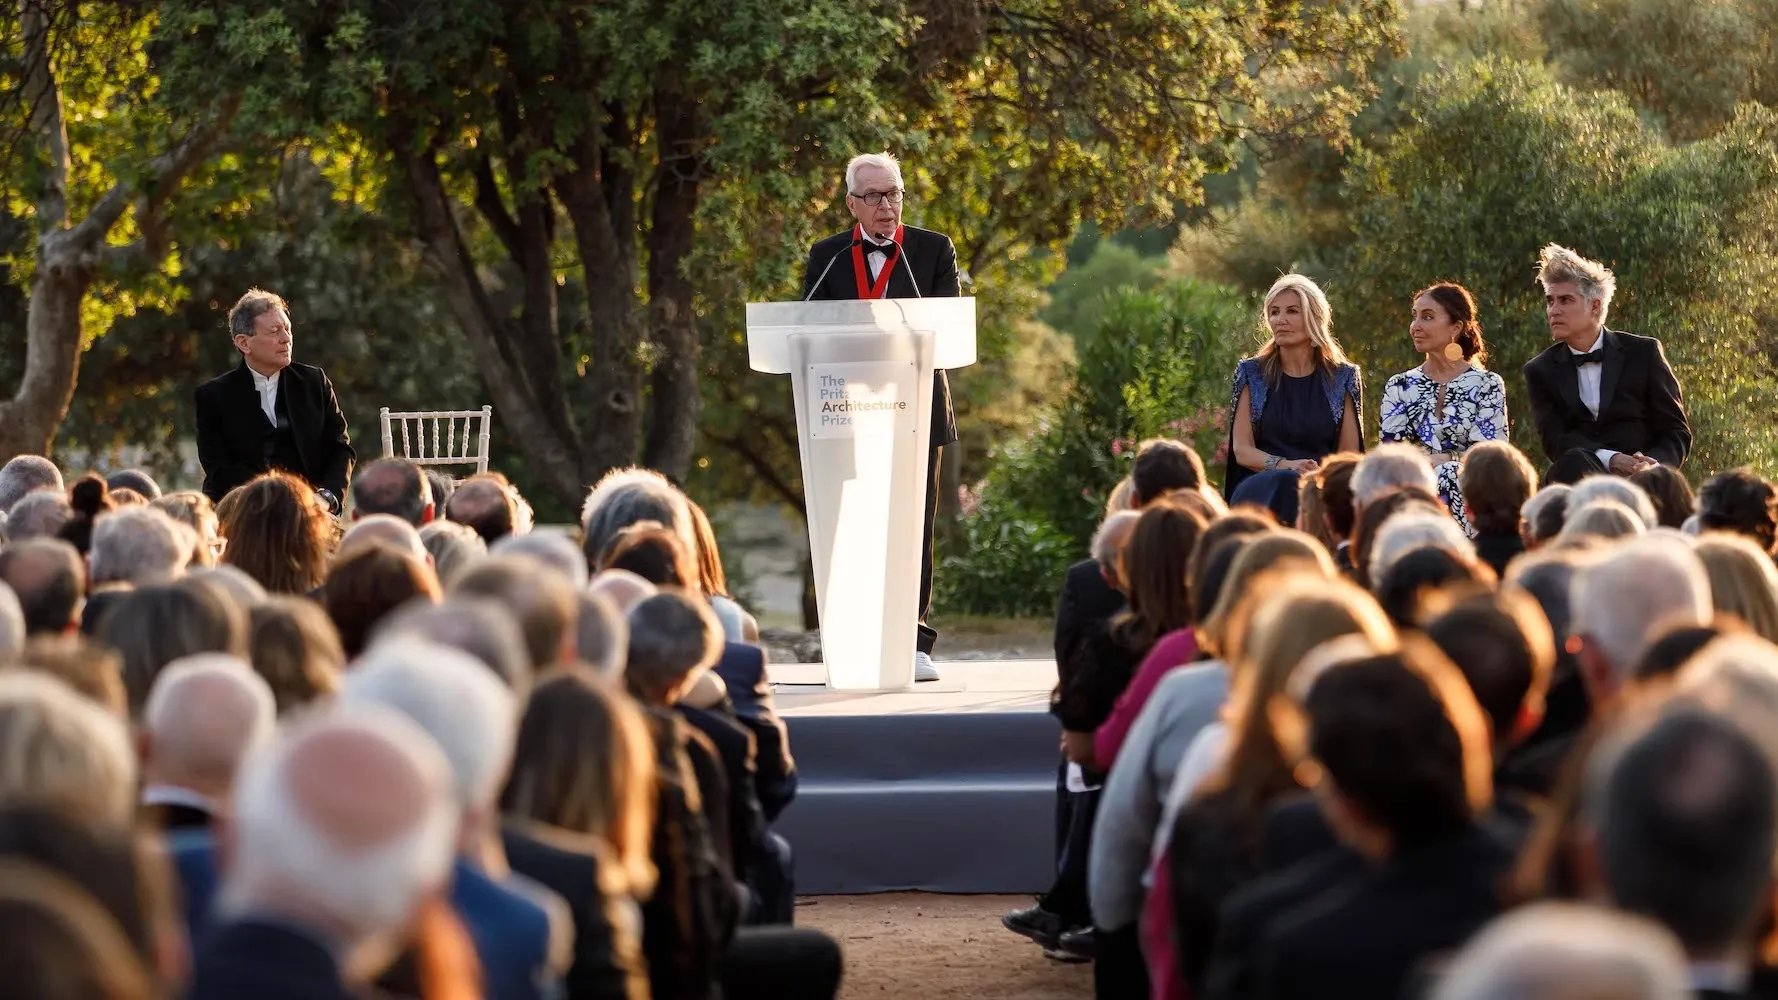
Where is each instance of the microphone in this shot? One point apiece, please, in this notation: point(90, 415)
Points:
point(831, 261)
point(901, 254)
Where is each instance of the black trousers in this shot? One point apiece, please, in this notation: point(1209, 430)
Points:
point(1119, 971)
point(1574, 465)
point(781, 963)
point(1067, 897)
point(928, 636)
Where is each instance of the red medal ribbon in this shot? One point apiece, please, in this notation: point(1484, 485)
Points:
point(861, 272)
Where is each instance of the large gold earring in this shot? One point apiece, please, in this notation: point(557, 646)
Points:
point(1453, 351)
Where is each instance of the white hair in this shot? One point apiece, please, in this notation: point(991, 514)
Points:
point(1556, 264)
point(1392, 467)
point(280, 850)
point(1567, 951)
point(203, 714)
point(1736, 677)
point(459, 702)
point(36, 514)
point(139, 545)
point(1539, 500)
point(12, 627)
point(387, 529)
point(885, 160)
point(62, 749)
point(1412, 530)
point(551, 548)
point(622, 588)
point(1603, 519)
point(24, 474)
point(1113, 531)
point(1617, 488)
point(1635, 593)
point(626, 496)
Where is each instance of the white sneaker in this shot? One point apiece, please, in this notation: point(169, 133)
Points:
point(923, 668)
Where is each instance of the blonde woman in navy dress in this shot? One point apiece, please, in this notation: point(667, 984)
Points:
point(1451, 401)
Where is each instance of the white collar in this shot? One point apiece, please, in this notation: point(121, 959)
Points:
point(1598, 342)
point(261, 381)
point(176, 795)
point(872, 240)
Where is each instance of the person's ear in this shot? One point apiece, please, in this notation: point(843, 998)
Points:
point(240, 343)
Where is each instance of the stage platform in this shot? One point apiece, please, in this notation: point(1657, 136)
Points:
point(947, 787)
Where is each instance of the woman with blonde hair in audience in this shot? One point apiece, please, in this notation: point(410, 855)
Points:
point(1743, 581)
point(280, 533)
point(294, 646)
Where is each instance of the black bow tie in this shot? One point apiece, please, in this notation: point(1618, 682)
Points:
point(886, 249)
point(1593, 357)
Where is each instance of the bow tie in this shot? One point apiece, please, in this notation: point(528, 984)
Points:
point(1593, 357)
point(886, 249)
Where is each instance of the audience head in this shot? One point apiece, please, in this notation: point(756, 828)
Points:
point(1153, 568)
point(626, 496)
point(1274, 552)
point(1162, 466)
point(1743, 581)
point(1497, 481)
point(674, 638)
point(712, 578)
point(294, 646)
point(243, 590)
point(550, 549)
point(1445, 317)
point(348, 820)
point(1410, 530)
point(654, 553)
point(88, 499)
point(485, 504)
point(195, 511)
point(137, 480)
point(1335, 481)
point(1373, 516)
point(154, 626)
point(1389, 468)
point(1628, 598)
point(1109, 541)
point(393, 486)
point(38, 514)
point(280, 533)
point(61, 750)
point(1504, 648)
point(1544, 514)
point(140, 546)
point(1122, 497)
point(1604, 487)
point(1297, 312)
point(541, 603)
point(441, 486)
point(1736, 677)
point(91, 668)
point(1669, 654)
point(1311, 514)
point(480, 626)
point(1578, 294)
point(1605, 519)
point(454, 549)
point(1567, 951)
point(203, 715)
point(585, 764)
point(23, 474)
point(369, 584)
point(386, 530)
point(58, 943)
point(625, 589)
point(601, 635)
point(1423, 573)
point(123, 496)
point(1741, 502)
point(50, 582)
point(1671, 494)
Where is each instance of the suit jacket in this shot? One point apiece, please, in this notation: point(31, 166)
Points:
point(1087, 600)
point(927, 266)
point(746, 826)
point(608, 963)
point(232, 428)
point(743, 670)
point(1640, 409)
point(266, 961)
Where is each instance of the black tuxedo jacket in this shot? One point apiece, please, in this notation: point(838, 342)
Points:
point(265, 961)
point(232, 429)
point(927, 267)
point(608, 963)
point(1640, 409)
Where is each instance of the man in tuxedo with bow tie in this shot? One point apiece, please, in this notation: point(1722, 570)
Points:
point(1604, 401)
point(269, 413)
point(879, 258)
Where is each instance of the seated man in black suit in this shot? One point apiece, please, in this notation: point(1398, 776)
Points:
point(204, 713)
point(270, 413)
point(1603, 401)
point(341, 832)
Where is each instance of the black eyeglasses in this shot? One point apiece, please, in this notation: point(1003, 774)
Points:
point(875, 198)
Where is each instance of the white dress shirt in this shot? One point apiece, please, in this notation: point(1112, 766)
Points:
point(267, 387)
point(1589, 377)
point(176, 795)
point(875, 255)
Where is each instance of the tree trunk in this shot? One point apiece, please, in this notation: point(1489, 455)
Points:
point(673, 384)
point(28, 421)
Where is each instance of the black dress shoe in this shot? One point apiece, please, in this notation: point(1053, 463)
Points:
point(1036, 923)
point(1073, 945)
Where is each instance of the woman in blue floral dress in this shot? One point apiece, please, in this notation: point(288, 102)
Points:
point(1450, 402)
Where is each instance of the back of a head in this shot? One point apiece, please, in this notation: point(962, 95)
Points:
point(541, 603)
point(137, 480)
point(1605, 519)
point(1154, 572)
point(12, 627)
point(1411, 530)
point(139, 545)
point(88, 498)
point(1672, 496)
point(1567, 951)
point(1497, 480)
point(203, 715)
point(622, 588)
point(1111, 536)
point(455, 548)
point(1162, 466)
point(457, 701)
point(550, 549)
point(1420, 574)
point(480, 626)
point(393, 486)
point(1334, 479)
point(279, 532)
point(674, 636)
point(349, 816)
point(1546, 512)
point(368, 585)
point(382, 529)
point(25, 473)
point(58, 943)
point(1259, 555)
point(1636, 592)
point(91, 668)
point(1743, 580)
point(1742, 502)
point(1670, 654)
point(625, 497)
point(654, 553)
point(1375, 515)
point(1605, 487)
point(121, 869)
point(38, 514)
point(1503, 645)
point(60, 750)
point(243, 589)
point(1687, 829)
point(1391, 467)
point(294, 646)
point(1549, 578)
point(154, 626)
point(602, 635)
point(485, 505)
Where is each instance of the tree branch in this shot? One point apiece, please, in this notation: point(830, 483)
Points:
point(493, 209)
point(164, 174)
point(762, 465)
point(43, 96)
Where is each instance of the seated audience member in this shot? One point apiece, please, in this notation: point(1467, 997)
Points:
point(64, 752)
point(1401, 753)
point(49, 580)
point(654, 553)
point(1311, 514)
point(1740, 502)
point(479, 626)
point(195, 511)
point(1389, 468)
point(137, 480)
point(12, 627)
point(1601, 519)
point(737, 624)
point(1410, 530)
point(541, 603)
point(1547, 576)
point(38, 514)
point(1671, 494)
point(485, 503)
point(1542, 516)
point(1669, 654)
point(1743, 581)
point(153, 627)
point(1163, 465)
point(1334, 483)
point(386, 530)
point(204, 714)
point(1567, 951)
point(393, 486)
point(246, 591)
point(521, 931)
point(367, 585)
point(454, 549)
point(1684, 815)
point(88, 498)
point(1604, 487)
point(1625, 601)
point(442, 486)
point(1497, 482)
point(601, 635)
point(123, 496)
point(628, 496)
point(140, 546)
point(23, 474)
point(551, 549)
point(58, 943)
point(91, 668)
point(623, 588)
point(279, 532)
point(1420, 574)
point(294, 646)
point(1370, 520)
point(578, 807)
point(1090, 591)
point(1737, 678)
point(343, 831)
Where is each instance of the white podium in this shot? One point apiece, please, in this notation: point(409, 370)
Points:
point(862, 371)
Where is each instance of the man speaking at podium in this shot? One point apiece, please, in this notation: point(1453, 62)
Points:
point(879, 258)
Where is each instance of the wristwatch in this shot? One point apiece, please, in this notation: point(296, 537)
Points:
point(1272, 462)
point(333, 502)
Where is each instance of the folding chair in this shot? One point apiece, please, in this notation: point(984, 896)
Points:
point(441, 437)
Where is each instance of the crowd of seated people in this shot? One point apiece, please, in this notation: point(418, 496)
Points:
point(252, 749)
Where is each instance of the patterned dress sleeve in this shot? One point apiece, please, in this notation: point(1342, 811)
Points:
point(1490, 423)
point(1355, 387)
point(1394, 415)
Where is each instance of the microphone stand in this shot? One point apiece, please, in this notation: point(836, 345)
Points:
point(831, 261)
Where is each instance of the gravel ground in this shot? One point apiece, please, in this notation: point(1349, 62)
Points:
point(939, 947)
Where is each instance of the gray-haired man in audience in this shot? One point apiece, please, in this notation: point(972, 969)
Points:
point(50, 581)
point(1623, 602)
point(393, 486)
point(204, 714)
point(140, 546)
point(25, 473)
point(38, 514)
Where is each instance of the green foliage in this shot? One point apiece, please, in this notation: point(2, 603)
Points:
point(1013, 564)
point(1078, 295)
